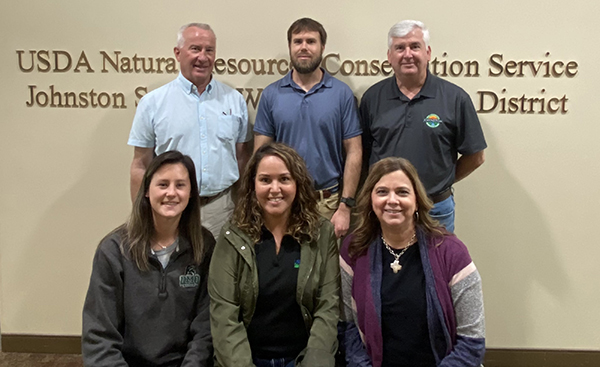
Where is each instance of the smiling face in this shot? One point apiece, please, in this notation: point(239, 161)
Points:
point(306, 51)
point(408, 55)
point(169, 192)
point(275, 188)
point(197, 56)
point(394, 202)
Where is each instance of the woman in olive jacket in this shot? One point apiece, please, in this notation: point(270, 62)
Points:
point(274, 279)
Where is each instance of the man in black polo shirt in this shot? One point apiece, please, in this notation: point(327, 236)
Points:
point(420, 117)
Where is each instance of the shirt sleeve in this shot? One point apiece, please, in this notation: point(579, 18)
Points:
point(356, 354)
point(200, 347)
point(102, 338)
point(467, 299)
point(142, 130)
point(469, 139)
point(264, 124)
point(350, 121)
point(322, 341)
point(230, 339)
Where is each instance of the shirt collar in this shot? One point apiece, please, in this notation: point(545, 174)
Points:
point(428, 90)
point(189, 88)
point(326, 81)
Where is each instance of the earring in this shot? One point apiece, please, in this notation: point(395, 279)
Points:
point(417, 215)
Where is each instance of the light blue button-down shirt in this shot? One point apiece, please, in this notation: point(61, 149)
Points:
point(204, 126)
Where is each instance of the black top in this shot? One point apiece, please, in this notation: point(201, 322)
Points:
point(404, 312)
point(277, 329)
point(429, 130)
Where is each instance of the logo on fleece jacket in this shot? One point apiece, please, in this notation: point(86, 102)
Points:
point(190, 279)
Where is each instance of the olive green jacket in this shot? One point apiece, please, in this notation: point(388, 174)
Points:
point(233, 289)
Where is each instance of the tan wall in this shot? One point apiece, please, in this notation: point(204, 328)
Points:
point(527, 215)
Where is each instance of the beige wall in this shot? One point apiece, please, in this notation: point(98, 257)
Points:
point(528, 215)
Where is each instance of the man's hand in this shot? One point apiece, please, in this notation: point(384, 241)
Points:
point(341, 220)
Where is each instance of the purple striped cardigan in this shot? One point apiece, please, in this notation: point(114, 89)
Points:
point(454, 303)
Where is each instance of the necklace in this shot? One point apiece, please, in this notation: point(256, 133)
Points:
point(162, 247)
point(395, 265)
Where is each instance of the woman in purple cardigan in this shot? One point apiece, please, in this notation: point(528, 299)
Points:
point(412, 295)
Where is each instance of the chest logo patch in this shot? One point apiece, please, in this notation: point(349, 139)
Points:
point(432, 120)
point(190, 279)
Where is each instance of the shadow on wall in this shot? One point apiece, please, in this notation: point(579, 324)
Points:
point(63, 242)
point(511, 245)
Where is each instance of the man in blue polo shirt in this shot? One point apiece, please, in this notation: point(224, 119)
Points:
point(198, 116)
point(315, 114)
point(423, 118)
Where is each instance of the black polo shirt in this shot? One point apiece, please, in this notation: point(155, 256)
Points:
point(429, 130)
point(277, 329)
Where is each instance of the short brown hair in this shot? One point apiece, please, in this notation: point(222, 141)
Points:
point(307, 25)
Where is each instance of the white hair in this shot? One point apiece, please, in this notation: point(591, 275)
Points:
point(404, 27)
point(180, 39)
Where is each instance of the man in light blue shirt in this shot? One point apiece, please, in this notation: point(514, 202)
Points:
point(200, 117)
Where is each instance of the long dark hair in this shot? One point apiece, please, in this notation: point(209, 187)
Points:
point(368, 226)
point(140, 226)
point(304, 218)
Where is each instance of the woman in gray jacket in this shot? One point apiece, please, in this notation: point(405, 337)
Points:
point(274, 281)
point(147, 303)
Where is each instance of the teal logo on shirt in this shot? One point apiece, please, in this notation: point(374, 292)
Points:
point(432, 120)
point(190, 279)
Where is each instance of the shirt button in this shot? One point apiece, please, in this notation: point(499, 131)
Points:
point(202, 135)
point(204, 170)
point(243, 247)
point(227, 232)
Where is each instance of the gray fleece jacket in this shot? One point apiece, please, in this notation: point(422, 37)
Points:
point(158, 317)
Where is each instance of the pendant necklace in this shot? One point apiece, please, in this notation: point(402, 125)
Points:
point(395, 265)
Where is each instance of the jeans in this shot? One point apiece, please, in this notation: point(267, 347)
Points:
point(443, 212)
point(279, 362)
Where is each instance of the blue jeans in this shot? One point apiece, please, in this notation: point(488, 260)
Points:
point(443, 212)
point(279, 362)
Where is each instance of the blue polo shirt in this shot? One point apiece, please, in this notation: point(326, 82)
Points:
point(204, 126)
point(315, 123)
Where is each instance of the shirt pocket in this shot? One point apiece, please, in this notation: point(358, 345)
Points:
point(226, 130)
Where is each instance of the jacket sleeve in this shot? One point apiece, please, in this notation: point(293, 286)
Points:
point(467, 297)
point(200, 348)
point(356, 354)
point(102, 338)
point(229, 333)
point(322, 341)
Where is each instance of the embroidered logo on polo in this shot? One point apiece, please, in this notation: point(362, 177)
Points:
point(190, 279)
point(432, 120)
point(297, 264)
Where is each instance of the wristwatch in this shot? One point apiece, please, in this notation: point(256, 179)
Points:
point(350, 202)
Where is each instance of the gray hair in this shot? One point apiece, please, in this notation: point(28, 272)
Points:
point(180, 39)
point(404, 27)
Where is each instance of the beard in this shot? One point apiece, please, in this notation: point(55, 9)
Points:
point(307, 67)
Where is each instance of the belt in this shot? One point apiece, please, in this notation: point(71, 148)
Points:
point(442, 195)
point(205, 200)
point(328, 192)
